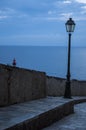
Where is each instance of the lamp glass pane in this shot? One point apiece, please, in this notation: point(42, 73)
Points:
point(70, 28)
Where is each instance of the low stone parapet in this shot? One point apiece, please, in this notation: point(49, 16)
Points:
point(20, 85)
point(56, 87)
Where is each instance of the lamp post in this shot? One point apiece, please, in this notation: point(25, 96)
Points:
point(70, 26)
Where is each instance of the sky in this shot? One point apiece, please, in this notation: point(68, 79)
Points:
point(41, 22)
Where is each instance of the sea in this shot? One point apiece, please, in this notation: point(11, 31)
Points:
point(49, 59)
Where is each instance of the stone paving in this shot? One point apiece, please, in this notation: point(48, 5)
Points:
point(76, 121)
point(14, 114)
point(18, 113)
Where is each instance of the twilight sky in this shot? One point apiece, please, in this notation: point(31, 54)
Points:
point(41, 22)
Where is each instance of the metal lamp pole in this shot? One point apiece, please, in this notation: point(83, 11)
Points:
point(70, 25)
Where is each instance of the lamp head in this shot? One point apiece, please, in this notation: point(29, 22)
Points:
point(70, 25)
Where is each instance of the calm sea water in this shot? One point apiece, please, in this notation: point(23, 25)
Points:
point(52, 60)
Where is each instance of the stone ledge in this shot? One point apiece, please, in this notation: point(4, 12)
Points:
point(79, 100)
point(46, 118)
point(52, 109)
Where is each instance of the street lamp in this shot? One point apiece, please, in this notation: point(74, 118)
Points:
point(70, 26)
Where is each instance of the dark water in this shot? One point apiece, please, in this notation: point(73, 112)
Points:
point(52, 60)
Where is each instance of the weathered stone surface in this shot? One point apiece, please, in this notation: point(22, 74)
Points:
point(56, 87)
point(75, 88)
point(4, 89)
point(20, 85)
point(38, 85)
point(35, 115)
point(76, 121)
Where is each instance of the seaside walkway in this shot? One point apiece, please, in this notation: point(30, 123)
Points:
point(37, 114)
point(75, 121)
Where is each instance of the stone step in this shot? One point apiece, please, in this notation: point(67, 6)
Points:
point(37, 114)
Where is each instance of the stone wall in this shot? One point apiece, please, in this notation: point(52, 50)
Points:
point(20, 85)
point(56, 87)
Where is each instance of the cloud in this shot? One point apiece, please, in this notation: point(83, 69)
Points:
point(3, 17)
point(83, 7)
point(62, 3)
point(79, 18)
point(52, 12)
point(83, 10)
point(81, 1)
point(67, 2)
point(11, 13)
point(65, 16)
point(6, 13)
